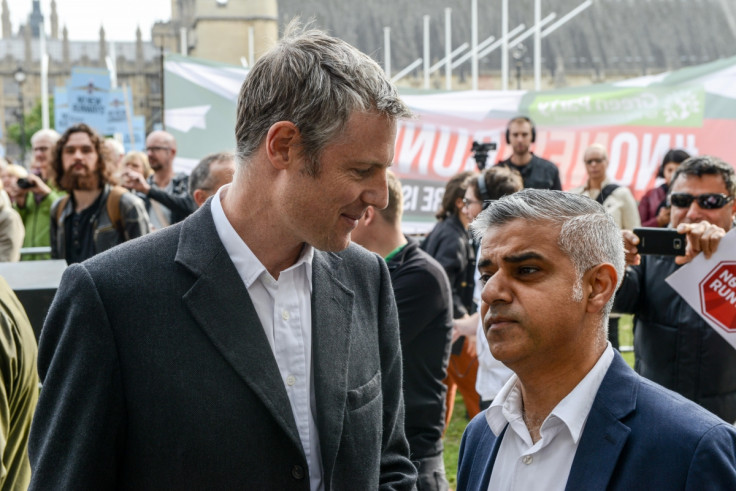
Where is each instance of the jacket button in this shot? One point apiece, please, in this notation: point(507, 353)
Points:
point(297, 472)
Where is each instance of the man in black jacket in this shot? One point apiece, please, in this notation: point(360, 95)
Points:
point(166, 193)
point(536, 172)
point(674, 346)
point(424, 302)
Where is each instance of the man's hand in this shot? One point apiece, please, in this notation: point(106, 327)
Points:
point(701, 237)
point(39, 187)
point(465, 326)
point(663, 217)
point(135, 181)
point(631, 241)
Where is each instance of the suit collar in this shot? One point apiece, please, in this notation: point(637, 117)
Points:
point(220, 304)
point(332, 312)
point(605, 434)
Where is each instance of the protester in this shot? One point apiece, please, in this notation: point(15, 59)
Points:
point(250, 346)
point(43, 142)
point(653, 208)
point(451, 245)
point(166, 193)
point(135, 162)
point(210, 174)
point(11, 230)
point(491, 185)
point(674, 346)
point(537, 172)
point(96, 215)
point(115, 152)
point(617, 200)
point(424, 302)
point(33, 202)
point(574, 415)
point(18, 389)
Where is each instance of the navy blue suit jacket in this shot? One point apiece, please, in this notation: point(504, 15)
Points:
point(638, 436)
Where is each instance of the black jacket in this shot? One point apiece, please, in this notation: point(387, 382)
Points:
point(424, 303)
point(674, 346)
point(450, 244)
point(179, 201)
point(538, 173)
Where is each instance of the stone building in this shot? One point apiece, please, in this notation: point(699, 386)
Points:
point(138, 65)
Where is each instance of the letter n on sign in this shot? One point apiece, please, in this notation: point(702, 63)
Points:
point(718, 295)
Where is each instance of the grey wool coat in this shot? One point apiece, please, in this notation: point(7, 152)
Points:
point(157, 374)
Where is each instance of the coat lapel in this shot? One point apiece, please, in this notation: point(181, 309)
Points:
point(220, 304)
point(604, 435)
point(332, 310)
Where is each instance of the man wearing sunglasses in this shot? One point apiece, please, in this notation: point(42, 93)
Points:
point(674, 346)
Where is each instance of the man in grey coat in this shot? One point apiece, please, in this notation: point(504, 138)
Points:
point(250, 346)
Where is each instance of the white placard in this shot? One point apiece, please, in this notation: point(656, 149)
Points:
point(709, 286)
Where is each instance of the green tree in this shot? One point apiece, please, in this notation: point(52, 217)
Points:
point(33, 123)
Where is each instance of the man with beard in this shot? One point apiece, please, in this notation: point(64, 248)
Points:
point(166, 193)
point(96, 215)
point(536, 172)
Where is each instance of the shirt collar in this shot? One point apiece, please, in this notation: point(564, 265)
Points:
point(572, 410)
point(249, 267)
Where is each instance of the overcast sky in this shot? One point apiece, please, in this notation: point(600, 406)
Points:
point(83, 18)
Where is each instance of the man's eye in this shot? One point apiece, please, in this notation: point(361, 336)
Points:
point(524, 270)
point(484, 278)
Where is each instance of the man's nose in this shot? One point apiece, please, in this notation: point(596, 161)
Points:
point(377, 193)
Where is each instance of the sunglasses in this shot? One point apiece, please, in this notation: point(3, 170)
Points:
point(707, 201)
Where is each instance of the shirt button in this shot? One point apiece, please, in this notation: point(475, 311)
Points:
point(285, 315)
point(290, 380)
point(297, 472)
point(527, 459)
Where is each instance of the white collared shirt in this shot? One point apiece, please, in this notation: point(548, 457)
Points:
point(545, 465)
point(285, 311)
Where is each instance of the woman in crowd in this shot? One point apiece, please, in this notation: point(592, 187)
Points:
point(451, 245)
point(653, 208)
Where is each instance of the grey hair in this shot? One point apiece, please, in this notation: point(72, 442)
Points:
point(200, 178)
point(52, 135)
point(588, 235)
point(316, 82)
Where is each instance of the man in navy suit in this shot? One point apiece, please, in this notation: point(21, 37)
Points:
point(574, 415)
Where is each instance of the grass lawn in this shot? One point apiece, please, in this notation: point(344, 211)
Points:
point(455, 432)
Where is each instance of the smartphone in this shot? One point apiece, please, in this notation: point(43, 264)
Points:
point(660, 241)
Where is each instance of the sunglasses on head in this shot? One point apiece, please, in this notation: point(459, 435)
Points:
point(707, 201)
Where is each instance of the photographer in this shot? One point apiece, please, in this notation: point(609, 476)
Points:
point(34, 196)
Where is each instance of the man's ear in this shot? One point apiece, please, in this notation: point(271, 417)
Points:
point(282, 141)
point(199, 197)
point(370, 215)
point(602, 280)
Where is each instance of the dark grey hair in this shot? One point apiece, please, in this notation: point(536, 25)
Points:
point(588, 235)
point(315, 81)
point(707, 165)
point(200, 178)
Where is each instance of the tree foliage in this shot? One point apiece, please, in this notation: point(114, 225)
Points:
point(33, 123)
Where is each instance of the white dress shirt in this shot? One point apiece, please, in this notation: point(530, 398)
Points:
point(285, 311)
point(545, 465)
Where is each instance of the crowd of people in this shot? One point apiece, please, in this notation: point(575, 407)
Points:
point(280, 331)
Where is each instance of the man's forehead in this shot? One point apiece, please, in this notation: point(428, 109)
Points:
point(706, 183)
point(520, 126)
point(518, 236)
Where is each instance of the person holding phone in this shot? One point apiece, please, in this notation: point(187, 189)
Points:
point(674, 346)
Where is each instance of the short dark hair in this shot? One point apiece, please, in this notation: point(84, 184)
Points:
point(104, 169)
point(454, 189)
point(707, 165)
point(500, 181)
point(200, 177)
point(673, 155)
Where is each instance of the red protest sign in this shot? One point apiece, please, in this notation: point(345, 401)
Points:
point(718, 295)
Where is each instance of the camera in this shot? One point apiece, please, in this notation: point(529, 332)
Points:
point(480, 153)
point(24, 183)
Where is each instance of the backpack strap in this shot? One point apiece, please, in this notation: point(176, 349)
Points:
point(113, 206)
point(606, 192)
point(60, 209)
